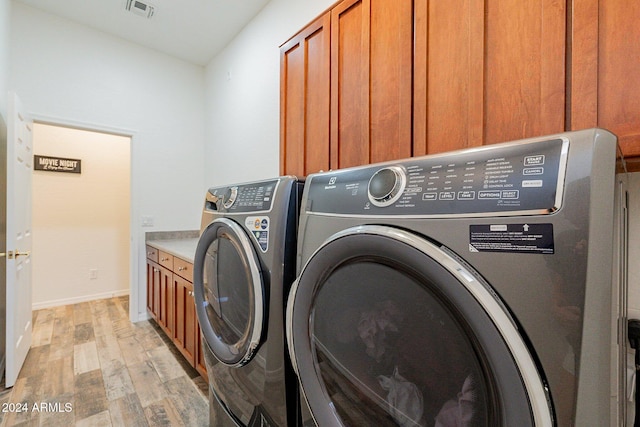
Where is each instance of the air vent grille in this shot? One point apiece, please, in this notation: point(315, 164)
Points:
point(140, 8)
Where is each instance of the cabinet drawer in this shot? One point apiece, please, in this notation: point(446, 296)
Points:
point(166, 260)
point(183, 269)
point(152, 253)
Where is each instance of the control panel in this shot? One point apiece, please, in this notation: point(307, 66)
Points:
point(252, 197)
point(524, 177)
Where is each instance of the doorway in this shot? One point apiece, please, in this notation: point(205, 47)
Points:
point(81, 217)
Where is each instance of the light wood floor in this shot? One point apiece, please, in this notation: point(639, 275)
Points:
point(90, 366)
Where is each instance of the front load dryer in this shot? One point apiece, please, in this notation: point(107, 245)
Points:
point(243, 268)
point(472, 288)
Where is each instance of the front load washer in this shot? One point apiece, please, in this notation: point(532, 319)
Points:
point(471, 288)
point(243, 268)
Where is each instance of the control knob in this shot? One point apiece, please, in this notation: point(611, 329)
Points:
point(229, 197)
point(387, 185)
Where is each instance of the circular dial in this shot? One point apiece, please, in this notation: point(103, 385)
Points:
point(230, 197)
point(386, 186)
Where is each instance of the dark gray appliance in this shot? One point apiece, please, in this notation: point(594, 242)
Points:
point(243, 268)
point(471, 288)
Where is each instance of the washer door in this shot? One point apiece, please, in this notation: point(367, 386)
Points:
point(229, 292)
point(386, 328)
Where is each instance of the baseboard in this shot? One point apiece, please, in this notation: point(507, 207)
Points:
point(76, 300)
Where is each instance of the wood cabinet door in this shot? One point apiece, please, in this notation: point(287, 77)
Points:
point(201, 366)
point(371, 65)
point(153, 283)
point(149, 286)
point(304, 100)
point(605, 64)
point(190, 325)
point(487, 71)
point(184, 330)
point(166, 292)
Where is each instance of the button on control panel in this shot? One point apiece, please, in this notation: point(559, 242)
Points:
point(386, 186)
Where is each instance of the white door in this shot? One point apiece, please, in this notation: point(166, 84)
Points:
point(18, 254)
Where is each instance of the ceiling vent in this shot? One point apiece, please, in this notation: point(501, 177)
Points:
point(140, 8)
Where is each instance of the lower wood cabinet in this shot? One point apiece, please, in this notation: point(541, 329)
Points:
point(171, 303)
point(184, 336)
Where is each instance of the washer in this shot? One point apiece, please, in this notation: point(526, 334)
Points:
point(243, 268)
point(471, 288)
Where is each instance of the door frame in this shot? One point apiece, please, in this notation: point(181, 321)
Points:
point(136, 239)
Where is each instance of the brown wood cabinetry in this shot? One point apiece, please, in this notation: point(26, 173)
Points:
point(304, 99)
point(415, 77)
point(200, 363)
point(171, 303)
point(487, 71)
point(153, 288)
point(346, 88)
point(371, 63)
point(605, 64)
point(165, 312)
point(184, 335)
point(153, 281)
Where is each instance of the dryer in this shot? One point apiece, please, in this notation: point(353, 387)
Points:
point(243, 268)
point(471, 288)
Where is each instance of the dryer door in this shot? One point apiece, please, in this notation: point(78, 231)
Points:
point(229, 292)
point(386, 328)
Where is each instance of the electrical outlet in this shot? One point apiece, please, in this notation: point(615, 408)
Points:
point(93, 273)
point(147, 221)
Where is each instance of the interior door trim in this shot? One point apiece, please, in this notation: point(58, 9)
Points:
point(209, 235)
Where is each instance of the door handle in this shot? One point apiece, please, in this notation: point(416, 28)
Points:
point(12, 255)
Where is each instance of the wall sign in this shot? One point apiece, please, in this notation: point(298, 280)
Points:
point(56, 164)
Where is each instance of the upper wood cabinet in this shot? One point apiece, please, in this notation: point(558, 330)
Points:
point(371, 63)
point(346, 88)
point(305, 99)
point(375, 80)
point(604, 83)
point(487, 71)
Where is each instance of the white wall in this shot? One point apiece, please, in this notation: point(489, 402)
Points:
point(243, 94)
point(80, 221)
point(76, 75)
point(5, 16)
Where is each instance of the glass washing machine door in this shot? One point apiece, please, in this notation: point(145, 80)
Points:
point(387, 328)
point(229, 292)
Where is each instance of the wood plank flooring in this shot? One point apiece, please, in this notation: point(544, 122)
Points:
point(89, 366)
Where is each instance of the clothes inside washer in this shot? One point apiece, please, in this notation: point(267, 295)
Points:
point(459, 412)
point(405, 399)
point(386, 357)
point(374, 325)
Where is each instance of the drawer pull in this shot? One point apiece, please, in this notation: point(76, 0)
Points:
point(182, 268)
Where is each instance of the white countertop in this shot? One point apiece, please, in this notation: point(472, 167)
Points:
point(182, 248)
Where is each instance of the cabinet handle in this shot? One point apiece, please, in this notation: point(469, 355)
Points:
point(149, 253)
point(182, 268)
point(190, 293)
point(155, 270)
point(164, 259)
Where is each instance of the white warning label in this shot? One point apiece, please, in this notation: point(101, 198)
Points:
point(515, 238)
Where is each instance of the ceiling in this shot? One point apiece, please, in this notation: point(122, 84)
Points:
point(192, 30)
